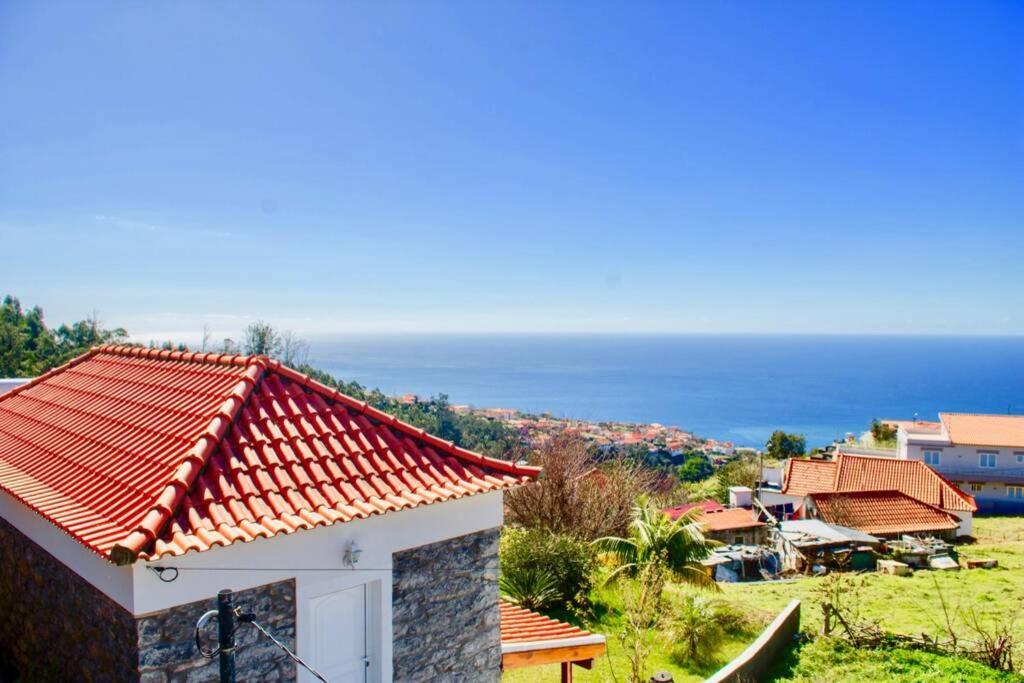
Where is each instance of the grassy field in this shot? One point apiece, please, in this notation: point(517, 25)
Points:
point(905, 604)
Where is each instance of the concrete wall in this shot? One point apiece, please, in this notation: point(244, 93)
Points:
point(54, 625)
point(445, 606)
point(754, 663)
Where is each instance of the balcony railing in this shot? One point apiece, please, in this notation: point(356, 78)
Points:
point(1009, 475)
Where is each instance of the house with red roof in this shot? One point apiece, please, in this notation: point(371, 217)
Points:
point(848, 474)
point(982, 454)
point(135, 484)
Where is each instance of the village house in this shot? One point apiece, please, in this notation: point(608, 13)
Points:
point(848, 473)
point(135, 484)
point(982, 454)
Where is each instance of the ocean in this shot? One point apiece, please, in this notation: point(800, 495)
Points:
point(730, 387)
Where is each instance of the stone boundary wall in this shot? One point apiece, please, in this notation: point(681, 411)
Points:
point(54, 625)
point(754, 663)
point(446, 621)
point(167, 649)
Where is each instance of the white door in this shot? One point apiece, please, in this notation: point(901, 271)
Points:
point(339, 635)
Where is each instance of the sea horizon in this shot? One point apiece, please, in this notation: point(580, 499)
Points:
point(735, 387)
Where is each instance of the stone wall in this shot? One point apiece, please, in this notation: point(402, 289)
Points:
point(167, 650)
point(445, 611)
point(54, 625)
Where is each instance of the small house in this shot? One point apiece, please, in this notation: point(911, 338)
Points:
point(135, 484)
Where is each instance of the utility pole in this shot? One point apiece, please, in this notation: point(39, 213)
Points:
point(226, 633)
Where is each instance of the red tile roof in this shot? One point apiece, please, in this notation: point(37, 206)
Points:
point(705, 505)
point(729, 519)
point(145, 453)
point(984, 430)
point(882, 512)
point(520, 625)
point(869, 473)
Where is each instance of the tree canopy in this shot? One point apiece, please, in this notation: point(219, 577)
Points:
point(782, 445)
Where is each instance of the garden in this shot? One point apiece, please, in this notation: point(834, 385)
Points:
point(634, 575)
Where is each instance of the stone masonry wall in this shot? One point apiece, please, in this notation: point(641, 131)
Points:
point(167, 650)
point(54, 625)
point(445, 611)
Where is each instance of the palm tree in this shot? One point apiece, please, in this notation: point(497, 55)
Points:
point(654, 537)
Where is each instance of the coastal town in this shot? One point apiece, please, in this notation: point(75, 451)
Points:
point(539, 430)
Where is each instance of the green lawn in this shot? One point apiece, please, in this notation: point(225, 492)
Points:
point(905, 604)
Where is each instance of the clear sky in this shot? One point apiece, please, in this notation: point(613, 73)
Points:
point(529, 166)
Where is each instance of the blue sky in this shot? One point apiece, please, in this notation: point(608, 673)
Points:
point(466, 166)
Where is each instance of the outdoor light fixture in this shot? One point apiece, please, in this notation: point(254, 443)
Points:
point(350, 555)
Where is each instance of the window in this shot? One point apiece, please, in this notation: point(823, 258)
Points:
point(1020, 458)
point(977, 486)
point(986, 459)
point(932, 457)
point(1015, 491)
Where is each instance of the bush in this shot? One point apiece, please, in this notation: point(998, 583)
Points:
point(698, 625)
point(526, 553)
point(577, 495)
point(530, 587)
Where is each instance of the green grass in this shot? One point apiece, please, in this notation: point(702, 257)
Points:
point(608, 620)
point(904, 604)
point(827, 660)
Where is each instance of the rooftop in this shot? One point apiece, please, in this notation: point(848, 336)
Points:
point(969, 429)
point(882, 512)
point(730, 519)
point(141, 453)
point(530, 639)
point(868, 473)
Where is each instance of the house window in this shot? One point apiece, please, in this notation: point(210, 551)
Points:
point(1020, 458)
point(931, 457)
point(1015, 491)
point(977, 486)
point(986, 459)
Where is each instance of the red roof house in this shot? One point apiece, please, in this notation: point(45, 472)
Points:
point(849, 473)
point(128, 459)
point(869, 473)
point(881, 513)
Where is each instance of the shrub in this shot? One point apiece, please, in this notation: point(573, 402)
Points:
point(568, 561)
point(530, 587)
point(576, 495)
point(695, 629)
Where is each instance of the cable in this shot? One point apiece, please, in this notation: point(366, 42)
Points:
point(247, 618)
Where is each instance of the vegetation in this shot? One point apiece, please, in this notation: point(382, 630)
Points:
point(882, 435)
point(822, 659)
point(781, 445)
point(577, 494)
point(568, 562)
point(696, 467)
point(28, 347)
point(656, 538)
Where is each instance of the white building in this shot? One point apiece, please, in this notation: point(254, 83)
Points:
point(981, 454)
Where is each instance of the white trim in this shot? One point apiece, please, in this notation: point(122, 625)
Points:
point(113, 581)
point(527, 645)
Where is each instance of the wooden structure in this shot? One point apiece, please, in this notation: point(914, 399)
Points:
point(531, 639)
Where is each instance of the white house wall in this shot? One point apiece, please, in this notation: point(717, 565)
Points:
point(114, 581)
point(314, 559)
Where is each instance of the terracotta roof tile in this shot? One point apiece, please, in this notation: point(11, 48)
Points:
point(968, 429)
point(869, 473)
point(520, 625)
point(882, 512)
point(729, 519)
point(138, 452)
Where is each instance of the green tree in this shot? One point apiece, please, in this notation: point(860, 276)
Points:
point(656, 537)
point(782, 445)
point(695, 468)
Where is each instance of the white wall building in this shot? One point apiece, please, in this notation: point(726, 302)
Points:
point(982, 454)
